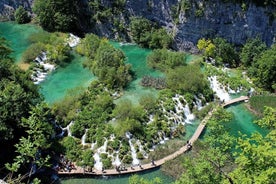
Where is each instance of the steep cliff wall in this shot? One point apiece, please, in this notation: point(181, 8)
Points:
point(186, 22)
point(208, 19)
point(7, 8)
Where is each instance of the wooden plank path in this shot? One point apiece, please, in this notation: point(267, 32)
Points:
point(236, 100)
point(157, 163)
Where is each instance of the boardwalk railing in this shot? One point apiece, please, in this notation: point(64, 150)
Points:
point(157, 163)
point(235, 100)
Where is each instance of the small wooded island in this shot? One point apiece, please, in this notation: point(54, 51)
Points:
point(173, 109)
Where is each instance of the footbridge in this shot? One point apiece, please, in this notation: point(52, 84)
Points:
point(157, 163)
point(235, 100)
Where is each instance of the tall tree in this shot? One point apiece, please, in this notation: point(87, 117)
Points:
point(21, 15)
point(61, 15)
point(264, 70)
point(251, 51)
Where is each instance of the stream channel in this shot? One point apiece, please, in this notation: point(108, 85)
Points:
point(74, 75)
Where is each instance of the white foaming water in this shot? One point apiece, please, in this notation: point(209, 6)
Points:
point(38, 75)
point(135, 161)
point(68, 128)
point(83, 138)
point(189, 116)
point(98, 164)
point(73, 40)
point(183, 114)
point(198, 103)
point(117, 161)
point(218, 89)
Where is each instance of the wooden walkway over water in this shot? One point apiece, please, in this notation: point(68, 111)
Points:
point(235, 100)
point(157, 163)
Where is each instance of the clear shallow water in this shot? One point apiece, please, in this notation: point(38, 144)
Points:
point(243, 121)
point(65, 78)
point(136, 56)
point(17, 36)
point(74, 75)
point(118, 179)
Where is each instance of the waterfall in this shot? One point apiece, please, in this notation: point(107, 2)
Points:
point(38, 75)
point(83, 138)
point(67, 128)
point(135, 161)
point(117, 161)
point(183, 114)
point(189, 116)
point(98, 164)
point(218, 89)
point(73, 40)
point(198, 103)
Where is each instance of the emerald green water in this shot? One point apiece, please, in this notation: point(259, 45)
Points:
point(73, 75)
point(17, 36)
point(243, 121)
point(136, 56)
point(118, 179)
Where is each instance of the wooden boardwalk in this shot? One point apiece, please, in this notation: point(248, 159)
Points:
point(236, 100)
point(157, 163)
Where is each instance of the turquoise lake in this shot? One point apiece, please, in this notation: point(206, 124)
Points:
point(73, 75)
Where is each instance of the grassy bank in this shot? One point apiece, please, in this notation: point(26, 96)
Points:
point(258, 102)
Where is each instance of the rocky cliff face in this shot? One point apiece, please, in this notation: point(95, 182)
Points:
point(188, 24)
point(208, 19)
point(7, 8)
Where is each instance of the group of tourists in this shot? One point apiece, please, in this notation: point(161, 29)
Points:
point(64, 165)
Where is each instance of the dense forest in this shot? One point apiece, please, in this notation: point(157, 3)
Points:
point(36, 134)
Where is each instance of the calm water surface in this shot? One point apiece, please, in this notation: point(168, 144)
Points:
point(74, 75)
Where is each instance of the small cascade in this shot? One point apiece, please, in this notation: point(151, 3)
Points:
point(117, 161)
point(73, 40)
point(141, 149)
point(189, 116)
point(39, 74)
point(218, 89)
point(135, 161)
point(93, 145)
point(98, 164)
point(83, 138)
point(198, 103)
point(182, 113)
point(67, 128)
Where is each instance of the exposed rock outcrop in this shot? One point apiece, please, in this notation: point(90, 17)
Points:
point(8, 7)
point(200, 19)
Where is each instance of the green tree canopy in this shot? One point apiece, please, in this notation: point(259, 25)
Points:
point(251, 50)
point(189, 79)
point(163, 59)
point(109, 66)
point(21, 15)
point(264, 70)
point(61, 15)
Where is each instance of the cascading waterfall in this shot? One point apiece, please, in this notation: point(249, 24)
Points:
point(98, 163)
point(183, 114)
point(83, 138)
point(117, 161)
point(40, 75)
point(67, 128)
point(222, 94)
point(189, 116)
point(198, 103)
point(73, 40)
point(135, 161)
